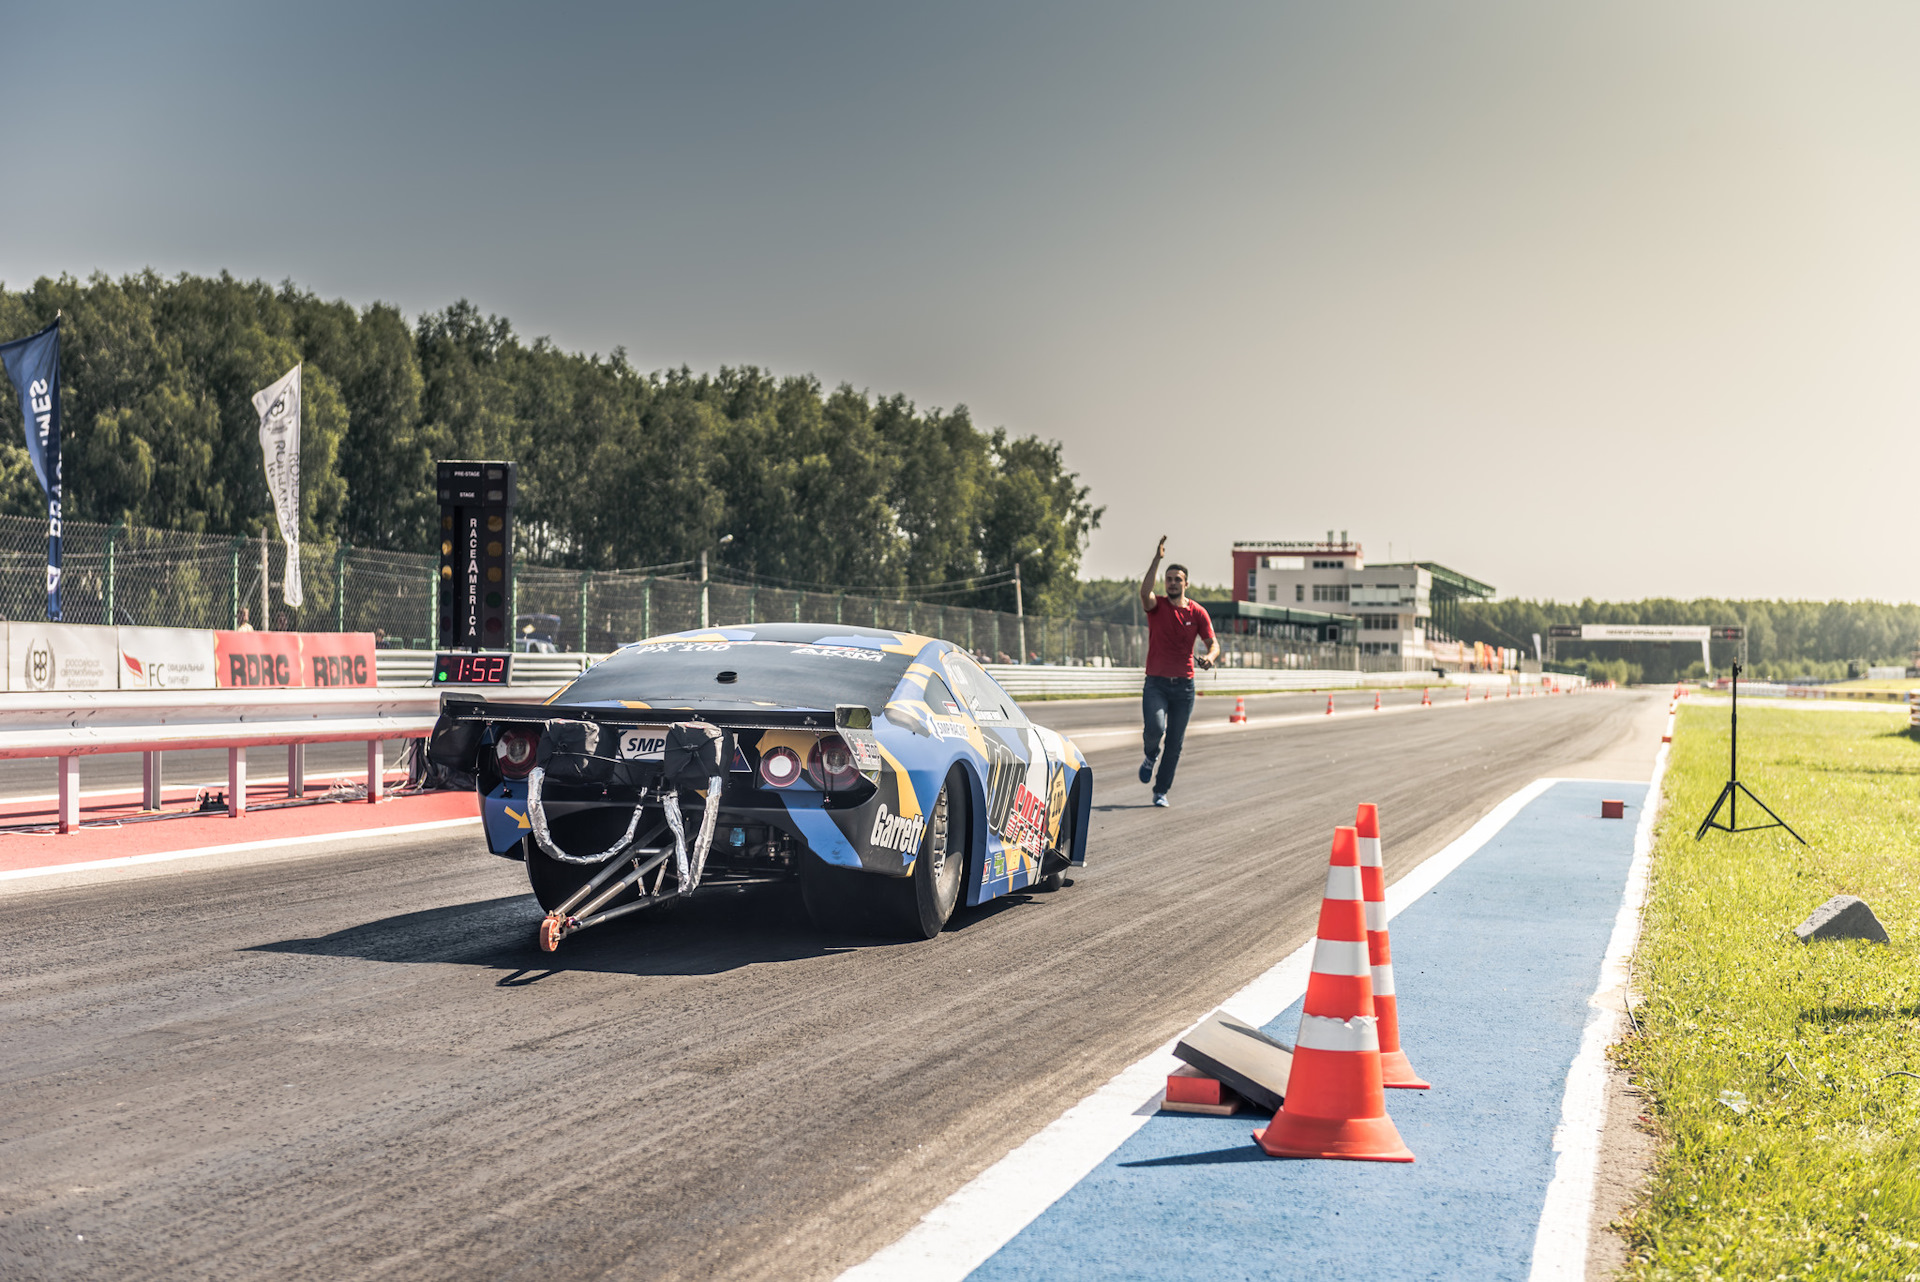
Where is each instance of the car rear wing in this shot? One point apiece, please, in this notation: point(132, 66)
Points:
point(466, 707)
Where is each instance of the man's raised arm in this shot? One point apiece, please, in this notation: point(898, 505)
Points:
point(1153, 572)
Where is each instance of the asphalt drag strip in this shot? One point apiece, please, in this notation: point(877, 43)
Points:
point(356, 1064)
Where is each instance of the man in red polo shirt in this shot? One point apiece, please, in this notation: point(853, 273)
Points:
point(1166, 700)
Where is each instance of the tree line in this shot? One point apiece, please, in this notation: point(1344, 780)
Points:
point(617, 468)
point(1784, 638)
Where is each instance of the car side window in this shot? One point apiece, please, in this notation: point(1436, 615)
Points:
point(941, 700)
point(992, 706)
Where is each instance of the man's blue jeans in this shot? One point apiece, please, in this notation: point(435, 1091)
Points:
point(1165, 705)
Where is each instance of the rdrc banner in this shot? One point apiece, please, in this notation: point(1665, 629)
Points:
point(34, 366)
point(338, 658)
point(256, 660)
point(252, 660)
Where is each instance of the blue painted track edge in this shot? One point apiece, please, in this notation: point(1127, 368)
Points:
point(977, 1220)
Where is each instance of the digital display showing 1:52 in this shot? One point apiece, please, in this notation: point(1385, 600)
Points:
point(471, 669)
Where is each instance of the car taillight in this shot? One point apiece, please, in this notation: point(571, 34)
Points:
point(831, 764)
point(779, 767)
point(514, 749)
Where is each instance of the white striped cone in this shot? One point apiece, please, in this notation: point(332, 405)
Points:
point(1395, 1069)
point(1334, 1105)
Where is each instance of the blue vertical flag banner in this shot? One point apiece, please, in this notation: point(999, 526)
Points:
point(34, 366)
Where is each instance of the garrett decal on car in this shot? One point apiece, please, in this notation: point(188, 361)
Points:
point(897, 832)
point(842, 652)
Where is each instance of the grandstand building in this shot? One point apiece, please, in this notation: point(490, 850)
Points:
point(1405, 614)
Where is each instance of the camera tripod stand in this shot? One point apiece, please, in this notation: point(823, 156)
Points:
point(1730, 795)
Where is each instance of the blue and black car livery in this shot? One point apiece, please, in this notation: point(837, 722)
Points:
point(886, 772)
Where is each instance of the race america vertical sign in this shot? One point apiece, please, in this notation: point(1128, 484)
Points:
point(34, 366)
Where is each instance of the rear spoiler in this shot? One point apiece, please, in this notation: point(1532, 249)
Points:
point(466, 707)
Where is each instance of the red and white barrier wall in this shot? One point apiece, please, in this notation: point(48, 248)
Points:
point(67, 656)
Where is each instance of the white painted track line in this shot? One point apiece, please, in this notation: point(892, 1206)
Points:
point(1560, 1245)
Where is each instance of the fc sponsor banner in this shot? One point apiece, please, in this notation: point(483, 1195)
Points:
point(61, 656)
point(338, 659)
point(166, 659)
point(257, 660)
point(309, 660)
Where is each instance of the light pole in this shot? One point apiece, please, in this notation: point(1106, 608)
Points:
point(724, 540)
point(1019, 603)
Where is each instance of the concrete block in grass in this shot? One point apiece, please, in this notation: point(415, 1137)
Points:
point(1842, 917)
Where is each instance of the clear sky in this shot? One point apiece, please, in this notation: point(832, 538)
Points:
point(1606, 299)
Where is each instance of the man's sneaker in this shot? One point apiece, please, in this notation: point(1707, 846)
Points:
point(1160, 800)
point(1146, 771)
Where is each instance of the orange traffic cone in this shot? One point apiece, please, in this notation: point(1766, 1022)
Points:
point(1426, 697)
point(1469, 698)
point(1485, 694)
point(1335, 1105)
point(1239, 717)
point(1376, 701)
point(1394, 1068)
point(1329, 705)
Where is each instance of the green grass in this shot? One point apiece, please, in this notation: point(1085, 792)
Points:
point(1786, 1150)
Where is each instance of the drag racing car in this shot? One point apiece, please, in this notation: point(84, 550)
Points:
point(887, 774)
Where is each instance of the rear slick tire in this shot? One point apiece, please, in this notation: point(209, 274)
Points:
point(916, 906)
point(920, 905)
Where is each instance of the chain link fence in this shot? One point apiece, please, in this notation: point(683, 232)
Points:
point(134, 576)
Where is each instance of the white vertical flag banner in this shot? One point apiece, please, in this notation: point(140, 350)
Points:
point(279, 407)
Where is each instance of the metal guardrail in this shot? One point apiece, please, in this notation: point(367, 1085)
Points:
point(1036, 681)
point(403, 668)
point(69, 726)
point(1780, 690)
point(82, 723)
point(1031, 681)
point(78, 724)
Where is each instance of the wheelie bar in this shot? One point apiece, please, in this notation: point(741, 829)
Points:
point(577, 913)
point(572, 916)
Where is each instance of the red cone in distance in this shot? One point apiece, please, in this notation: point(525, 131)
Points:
point(1239, 717)
point(1426, 697)
point(1329, 705)
point(1395, 1070)
point(1335, 1105)
point(1376, 701)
